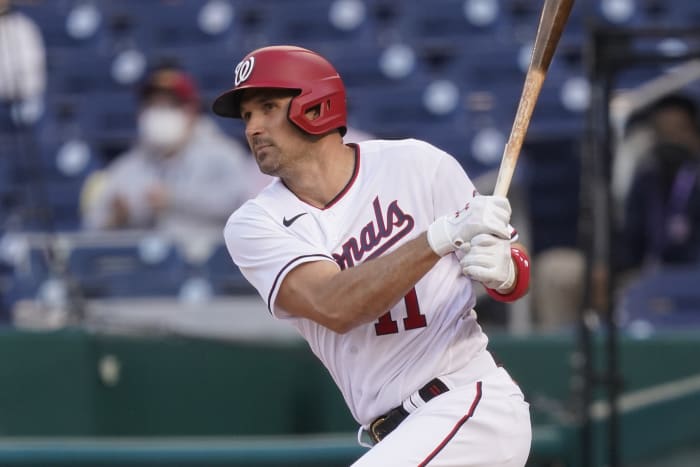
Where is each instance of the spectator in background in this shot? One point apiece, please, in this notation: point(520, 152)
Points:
point(632, 149)
point(658, 222)
point(183, 176)
point(22, 56)
point(661, 219)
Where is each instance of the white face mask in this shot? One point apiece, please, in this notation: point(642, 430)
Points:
point(162, 127)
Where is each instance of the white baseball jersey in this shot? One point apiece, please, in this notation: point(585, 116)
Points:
point(397, 190)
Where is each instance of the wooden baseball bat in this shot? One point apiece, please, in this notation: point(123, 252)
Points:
point(555, 13)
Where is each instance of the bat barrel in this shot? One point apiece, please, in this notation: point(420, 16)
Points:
point(555, 13)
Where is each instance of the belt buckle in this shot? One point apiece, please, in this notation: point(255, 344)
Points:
point(396, 415)
point(372, 429)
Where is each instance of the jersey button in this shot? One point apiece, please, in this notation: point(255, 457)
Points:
point(353, 350)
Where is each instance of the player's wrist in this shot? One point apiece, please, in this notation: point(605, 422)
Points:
point(508, 284)
point(520, 281)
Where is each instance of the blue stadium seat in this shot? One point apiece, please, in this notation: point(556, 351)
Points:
point(491, 63)
point(64, 161)
point(6, 171)
point(112, 114)
point(41, 177)
point(108, 121)
point(552, 184)
point(223, 275)
point(444, 18)
point(9, 158)
point(67, 159)
point(151, 267)
point(156, 24)
point(28, 271)
point(359, 67)
point(213, 76)
point(67, 23)
point(75, 72)
point(308, 23)
point(7, 123)
point(387, 110)
point(667, 298)
point(522, 16)
point(63, 197)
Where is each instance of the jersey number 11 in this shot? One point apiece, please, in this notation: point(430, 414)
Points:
point(413, 320)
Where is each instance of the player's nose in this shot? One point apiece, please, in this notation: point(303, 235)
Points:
point(253, 126)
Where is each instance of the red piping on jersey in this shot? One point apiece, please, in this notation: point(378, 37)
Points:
point(279, 274)
point(355, 171)
point(456, 428)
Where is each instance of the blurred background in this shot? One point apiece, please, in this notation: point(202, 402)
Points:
point(128, 337)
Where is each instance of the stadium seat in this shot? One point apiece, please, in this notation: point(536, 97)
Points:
point(447, 19)
point(74, 72)
point(158, 24)
point(44, 173)
point(492, 64)
point(309, 22)
point(108, 121)
point(382, 109)
point(8, 172)
point(666, 298)
point(67, 158)
point(360, 68)
point(7, 123)
point(150, 267)
point(223, 275)
point(75, 24)
point(212, 76)
point(63, 198)
point(29, 269)
point(552, 185)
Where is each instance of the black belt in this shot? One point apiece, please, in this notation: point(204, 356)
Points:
point(385, 424)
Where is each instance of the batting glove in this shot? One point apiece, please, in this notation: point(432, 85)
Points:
point(483, 215)
point(488, 260)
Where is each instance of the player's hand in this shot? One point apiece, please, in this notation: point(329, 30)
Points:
point(487, 260)
point(483, 215)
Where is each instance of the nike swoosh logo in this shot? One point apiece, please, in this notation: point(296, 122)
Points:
point(288, 222)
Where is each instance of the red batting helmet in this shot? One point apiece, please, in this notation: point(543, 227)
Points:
point(289, 67)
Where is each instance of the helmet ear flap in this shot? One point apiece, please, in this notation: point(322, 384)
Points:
point(290, 67)
point(332, 112)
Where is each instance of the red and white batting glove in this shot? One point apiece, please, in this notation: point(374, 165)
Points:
point(483, 215)
point(488, 260)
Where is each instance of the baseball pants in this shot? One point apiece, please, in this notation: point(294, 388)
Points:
point(485, 423)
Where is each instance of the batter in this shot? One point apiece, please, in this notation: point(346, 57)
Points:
point(372, 252)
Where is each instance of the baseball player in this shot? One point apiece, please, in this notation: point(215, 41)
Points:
point(372, 252)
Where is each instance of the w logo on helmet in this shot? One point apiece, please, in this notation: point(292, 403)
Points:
point(312, 77)
point(243, 70)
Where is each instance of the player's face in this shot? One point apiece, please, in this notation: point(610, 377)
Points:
point(273, 139)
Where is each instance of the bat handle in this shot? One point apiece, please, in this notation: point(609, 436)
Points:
point(505, 174)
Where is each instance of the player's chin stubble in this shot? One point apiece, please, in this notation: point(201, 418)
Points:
point(266, 160)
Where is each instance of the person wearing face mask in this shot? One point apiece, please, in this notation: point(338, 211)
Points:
point(661, 223)
point(183, 175)
point(656, 191)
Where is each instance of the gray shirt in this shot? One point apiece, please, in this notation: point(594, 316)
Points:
point(206, 181)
